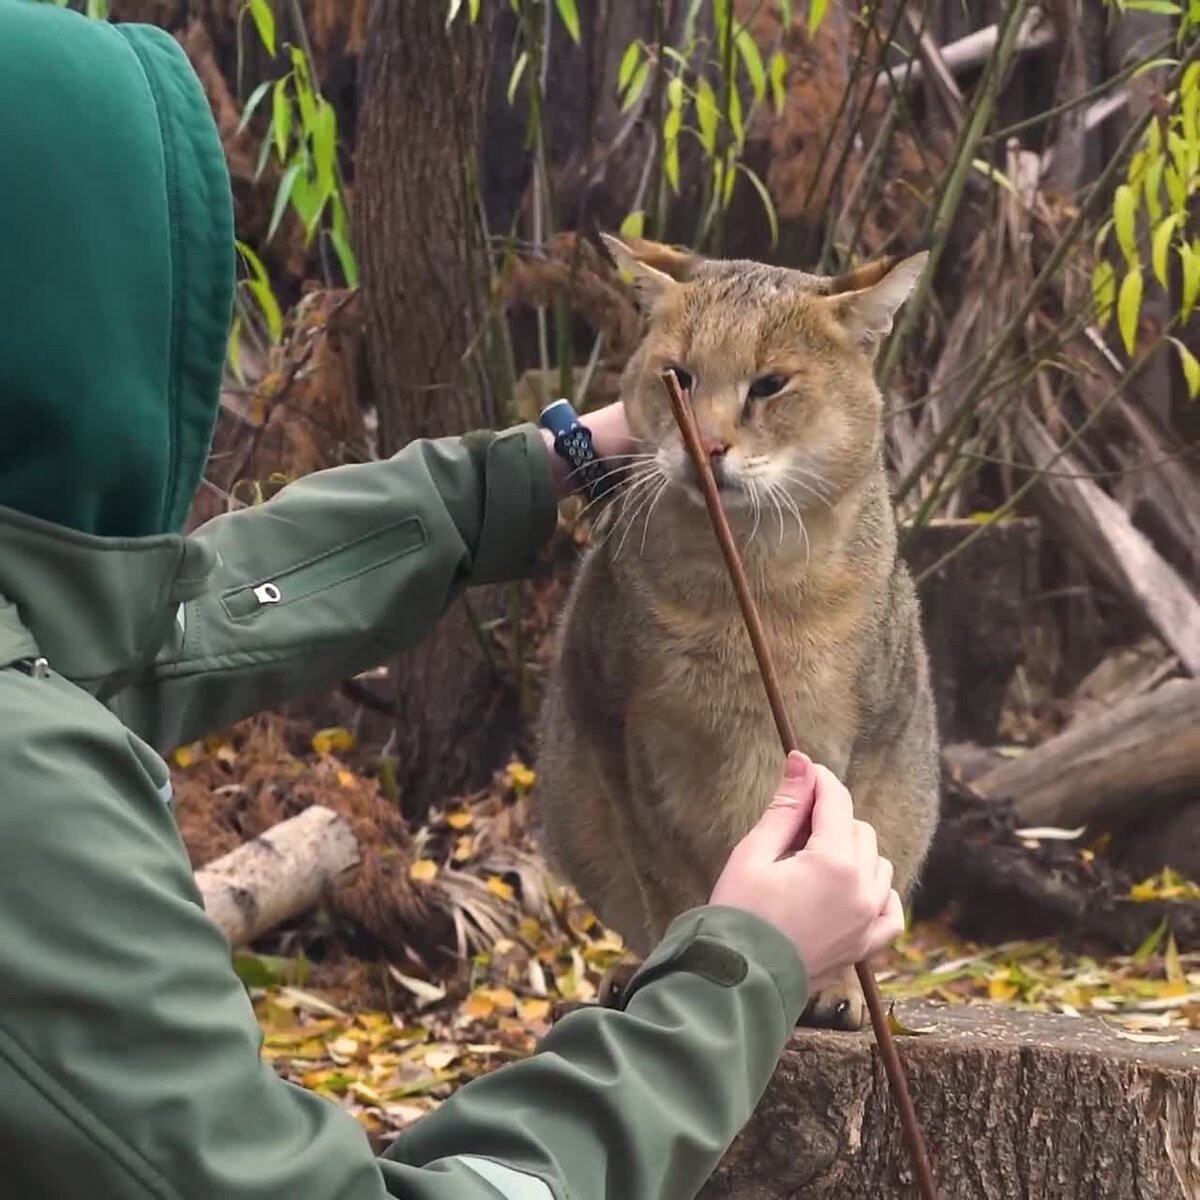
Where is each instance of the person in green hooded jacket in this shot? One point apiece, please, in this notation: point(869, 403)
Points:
point(129, 1051)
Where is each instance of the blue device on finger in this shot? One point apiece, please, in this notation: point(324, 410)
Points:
point(573, 442)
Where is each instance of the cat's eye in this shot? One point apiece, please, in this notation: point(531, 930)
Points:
point(684, 377)
point(767, 385)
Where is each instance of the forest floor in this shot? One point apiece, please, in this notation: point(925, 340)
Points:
point(390, 1030)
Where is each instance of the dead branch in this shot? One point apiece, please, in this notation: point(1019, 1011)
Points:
point(1101, 533)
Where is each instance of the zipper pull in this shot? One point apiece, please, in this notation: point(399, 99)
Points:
point(35, 668)
point(268, 593)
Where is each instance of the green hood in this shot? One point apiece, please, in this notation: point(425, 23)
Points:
point(117, 232)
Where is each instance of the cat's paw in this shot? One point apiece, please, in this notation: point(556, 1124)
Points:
point(837, 1003)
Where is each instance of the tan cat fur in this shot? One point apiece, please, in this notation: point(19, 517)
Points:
point(657, 747)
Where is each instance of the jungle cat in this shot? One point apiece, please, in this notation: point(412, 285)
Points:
point(657, 748)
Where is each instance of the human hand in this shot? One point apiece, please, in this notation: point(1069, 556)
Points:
point(610, 438)
point(815, 873)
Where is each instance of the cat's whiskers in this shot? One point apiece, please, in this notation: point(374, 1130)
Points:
point(646, 525)
point(640, 487)
point(630, 476)
point(648, 497)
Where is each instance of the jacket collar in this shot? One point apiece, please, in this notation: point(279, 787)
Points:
point(97, 608)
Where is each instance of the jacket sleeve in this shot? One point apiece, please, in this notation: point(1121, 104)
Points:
point(338, 572)
point(639, 1104)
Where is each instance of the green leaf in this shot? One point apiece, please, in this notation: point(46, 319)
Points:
point(816, 14)
point(455, 5)
point(269, 307)
point(234, 348)
point(1161, 246)
point(1101, 233)
point(1191, 368)
point(1176, 188)
point(785, 13)
point(721, 19)
point(324, 144)
point(675, 94)
point(252, 261)
point(254, 101)
point(993, 173)
point(264, 151)
point(264, 21)
point(281, 122)
point(1104, 291)
point(1124, 214)
point(735, 117)
point(634, 224)
point(1150, 944)
point(748, 49)
point(474, 11)
point(570, 17)
point(308, 199)
point(778, 72)
point(269, 970)
point(671, 127)
point(637, 85)
point(1189, 257)
point(346, 258)
point(97, 10)
point(1154, 6)
point(1152, 187)
point(1129, 307)
point(514, 80)
point(765, 197)
point(1153, 65)
point(629, 60)
point(286, 186)
point(708, 115)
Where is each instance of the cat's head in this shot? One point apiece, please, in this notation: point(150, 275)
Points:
point(778, 363)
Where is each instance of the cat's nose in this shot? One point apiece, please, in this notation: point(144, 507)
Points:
point(715, 448)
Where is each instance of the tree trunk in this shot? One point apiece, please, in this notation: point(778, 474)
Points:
point(1011, 1103)
point(278, 875)
point(423, 281)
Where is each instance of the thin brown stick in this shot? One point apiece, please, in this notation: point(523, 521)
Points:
point(686, 421)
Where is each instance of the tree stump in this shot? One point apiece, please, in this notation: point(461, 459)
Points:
point(1013, 1104)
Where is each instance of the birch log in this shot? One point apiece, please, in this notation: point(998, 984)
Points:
point(279, 874)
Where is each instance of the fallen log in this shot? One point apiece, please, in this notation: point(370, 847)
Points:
point(1144, 750)
point(1012, 1104)
point(996, 882)
point(1099, 530)
point(279, 874)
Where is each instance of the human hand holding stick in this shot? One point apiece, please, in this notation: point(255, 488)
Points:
point(685, 419)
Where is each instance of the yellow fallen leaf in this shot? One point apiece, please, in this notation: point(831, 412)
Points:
point(519, 777)
point(346, 778)
point(1001, 989)
point(498, 887)
point(464, 848)
point(502, 998)
point(440, 1057)
point(1172, 965)
point(345, 1046)
point(328, 741)
point(460, 819)
point(478, 1006)
point(535, 1010)
point(224, 752)
point(186, 756)
point(426, 993)
point(424, 870)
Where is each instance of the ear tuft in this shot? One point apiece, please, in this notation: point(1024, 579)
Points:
point(651, 265)
point(881, 288)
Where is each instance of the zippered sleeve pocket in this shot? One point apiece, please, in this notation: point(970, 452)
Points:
point(289, 584)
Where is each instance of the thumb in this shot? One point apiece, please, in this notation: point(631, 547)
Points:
point(779, 828)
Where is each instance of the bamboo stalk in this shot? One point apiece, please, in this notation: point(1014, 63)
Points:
point(686, 421)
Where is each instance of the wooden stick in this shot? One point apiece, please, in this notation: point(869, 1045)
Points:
point(686, 421)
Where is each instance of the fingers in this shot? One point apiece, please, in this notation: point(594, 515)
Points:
point(881, 885)
point(788, 814)
point(886, 927)
point(833, 810)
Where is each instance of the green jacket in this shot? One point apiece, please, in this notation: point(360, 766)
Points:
point(129, 1052)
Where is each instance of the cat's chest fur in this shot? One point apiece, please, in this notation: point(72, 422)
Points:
point(707, 749)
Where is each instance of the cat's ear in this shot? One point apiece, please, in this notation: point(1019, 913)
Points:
point(867, 311)
point(656, 269)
